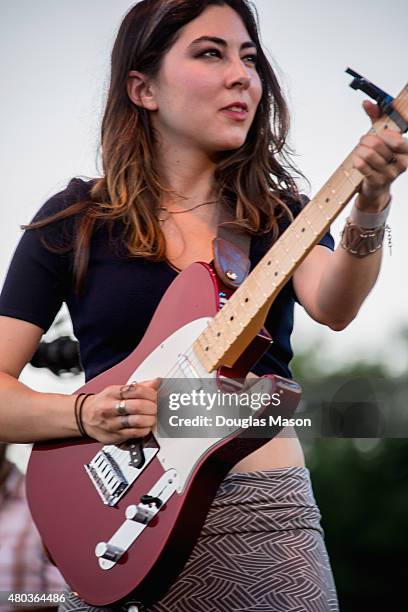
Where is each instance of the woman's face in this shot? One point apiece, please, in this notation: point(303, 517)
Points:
point(199, 78)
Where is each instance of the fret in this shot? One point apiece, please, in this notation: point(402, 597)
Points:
point(230, 318)
point(283, 270)
point(257, 291)
point(321, 210)
point(271, 278)
point(333, 201)
point(255, 300)
point(350, 174)
point(282, 250)
point(278, 266)
point(314, 220)
point(223, 338)
point(247, 302)
point(313, 217)
point(270, 282)
point(275, 276)
point(271, 264)
point(220, 332)
point(223, 328)
point(302, 241)
point(286, 261)
point(205, 340)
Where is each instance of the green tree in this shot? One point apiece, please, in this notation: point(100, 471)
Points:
point(361, 483)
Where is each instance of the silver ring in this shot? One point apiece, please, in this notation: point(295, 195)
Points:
point(124, 419)
point(127, 388)
point(121, 407)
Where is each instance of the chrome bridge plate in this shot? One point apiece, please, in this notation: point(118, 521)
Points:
point(131, 528)
point(112, 473)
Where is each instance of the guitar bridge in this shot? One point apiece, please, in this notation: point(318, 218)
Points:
point(114, 469)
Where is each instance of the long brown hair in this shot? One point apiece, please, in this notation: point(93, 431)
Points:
point(252, 179)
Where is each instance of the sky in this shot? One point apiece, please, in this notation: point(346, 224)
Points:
point(54, 62)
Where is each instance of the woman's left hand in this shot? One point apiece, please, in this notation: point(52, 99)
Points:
point(380, 158)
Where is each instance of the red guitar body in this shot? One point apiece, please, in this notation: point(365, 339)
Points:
point(71, 516)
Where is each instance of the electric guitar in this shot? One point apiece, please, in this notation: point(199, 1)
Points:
point(120, 520)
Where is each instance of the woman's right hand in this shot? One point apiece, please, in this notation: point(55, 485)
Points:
point(120, 413)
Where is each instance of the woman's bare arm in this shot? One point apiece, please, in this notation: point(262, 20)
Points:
point(32, 416)
point(27, 415)
point(333, 286)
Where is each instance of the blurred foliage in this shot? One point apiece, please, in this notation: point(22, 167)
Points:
point(361, 487)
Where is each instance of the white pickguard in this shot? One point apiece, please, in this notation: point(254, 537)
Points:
point(182, 454)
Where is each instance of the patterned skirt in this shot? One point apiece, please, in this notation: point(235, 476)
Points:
point(261, 550)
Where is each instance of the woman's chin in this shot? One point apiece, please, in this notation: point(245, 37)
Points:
point(230, 144)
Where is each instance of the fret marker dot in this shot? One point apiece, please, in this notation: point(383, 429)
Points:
point(327, 200)
point(276, 273)
point(303, 229)
point(219, 334)
point(231, 318)
point(269, 263)
point(246, 300)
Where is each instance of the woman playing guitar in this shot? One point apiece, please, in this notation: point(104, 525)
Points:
point(186, 131)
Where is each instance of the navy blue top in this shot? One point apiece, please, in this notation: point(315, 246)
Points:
point(121, 293)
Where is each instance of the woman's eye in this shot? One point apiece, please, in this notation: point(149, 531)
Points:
point(211, 51)
point(252, 58)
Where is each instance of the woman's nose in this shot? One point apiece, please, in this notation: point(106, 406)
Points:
point(238, 73)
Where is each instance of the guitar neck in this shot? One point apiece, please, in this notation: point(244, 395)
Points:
point(237, 323)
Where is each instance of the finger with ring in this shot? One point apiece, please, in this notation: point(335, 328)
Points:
point(124, 419)
point(125, 389)
point(121, 407)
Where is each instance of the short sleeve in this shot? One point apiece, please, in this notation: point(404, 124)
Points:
point(38, 277)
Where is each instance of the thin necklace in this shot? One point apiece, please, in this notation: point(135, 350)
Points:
point(179, 212)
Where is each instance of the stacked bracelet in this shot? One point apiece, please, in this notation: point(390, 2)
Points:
point(361, 242)
point(364, 232)
point(79, 403)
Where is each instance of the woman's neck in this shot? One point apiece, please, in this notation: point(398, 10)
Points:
point(190, 174)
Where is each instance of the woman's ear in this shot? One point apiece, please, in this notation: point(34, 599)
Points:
point(140, 91)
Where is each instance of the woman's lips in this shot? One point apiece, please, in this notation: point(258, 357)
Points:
point(236, 115)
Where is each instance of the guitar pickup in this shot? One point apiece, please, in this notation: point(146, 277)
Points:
point(137, 456)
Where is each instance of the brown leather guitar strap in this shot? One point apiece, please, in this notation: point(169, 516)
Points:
point(231, 252)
